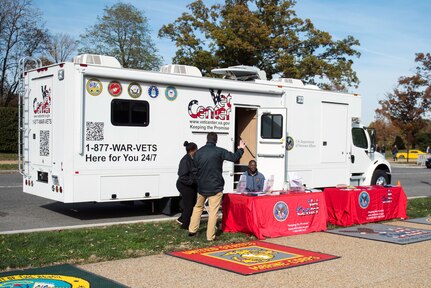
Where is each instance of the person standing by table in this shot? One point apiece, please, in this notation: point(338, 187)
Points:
point(209, 162)
point(254, 179)
point(394, 152)
point(187, 184)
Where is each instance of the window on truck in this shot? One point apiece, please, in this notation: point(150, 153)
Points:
point(130, 113)
point(359, 138)
point(271, 126)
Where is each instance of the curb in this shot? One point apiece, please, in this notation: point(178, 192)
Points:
point(408, 166)
point(9, 172)
point(95, 225)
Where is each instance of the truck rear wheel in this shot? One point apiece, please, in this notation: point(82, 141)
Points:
point(380, 177)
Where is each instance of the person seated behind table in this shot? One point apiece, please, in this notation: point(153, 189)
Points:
point(255, 179)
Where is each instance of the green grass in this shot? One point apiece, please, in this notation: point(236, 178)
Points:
point(8, 156)
point(101, 244)
point(122, 241)
point(419, 207)
point(8, 166)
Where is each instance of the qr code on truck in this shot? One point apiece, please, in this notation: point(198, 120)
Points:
point(44, 143)
point(94, 131)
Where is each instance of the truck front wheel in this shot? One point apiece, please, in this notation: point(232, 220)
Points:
point(380, 177)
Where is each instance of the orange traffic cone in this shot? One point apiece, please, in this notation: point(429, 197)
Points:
point(399, 183)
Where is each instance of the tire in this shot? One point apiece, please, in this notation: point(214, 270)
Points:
point(380, 177)
point(401, 157)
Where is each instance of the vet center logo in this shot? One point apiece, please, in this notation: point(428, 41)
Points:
point(281, 211)
point(364, 199)
point(220, 111)
point(44, 106)
point(48, 281)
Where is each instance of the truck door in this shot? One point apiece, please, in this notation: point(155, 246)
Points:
point(40, 121)
point(334, 151)
point(360, 155)
point(271, 127)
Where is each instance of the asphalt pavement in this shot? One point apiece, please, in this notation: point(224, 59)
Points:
point(21, 211)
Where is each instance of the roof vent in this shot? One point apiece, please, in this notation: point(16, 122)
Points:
point(290, 82)
point(181, 69)
point(100, 60)
point(241, 72)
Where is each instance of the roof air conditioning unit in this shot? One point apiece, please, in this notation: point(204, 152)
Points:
point(181, 69)
point(290, 82)
point(241, 72)
point(101, 60)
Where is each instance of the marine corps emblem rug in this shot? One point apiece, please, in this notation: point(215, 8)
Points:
point(252, 257)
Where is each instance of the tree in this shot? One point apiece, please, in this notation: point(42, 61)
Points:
point(424, 71)
point(406, 106)
point(21, 34)
point(122, 32)
point(424, 66)
point(399, 142)
point(60, 47)
point(266, 34)
point(385, 130)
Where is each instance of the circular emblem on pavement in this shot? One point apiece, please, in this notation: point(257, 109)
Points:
point(364, 199)
point(43, 281)
point(290, 143)
point(94, 87)
point(171, 93)
point(153, 91)
point(134, 90)
point(114, 88)
point(281, 211)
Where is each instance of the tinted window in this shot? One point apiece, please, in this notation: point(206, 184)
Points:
point(272, 126)
point(130, 113)
point(359, 138)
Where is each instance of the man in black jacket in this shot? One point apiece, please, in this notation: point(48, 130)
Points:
point(209, 162)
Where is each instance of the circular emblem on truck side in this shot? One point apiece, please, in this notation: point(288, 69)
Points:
point(94, 87)
point(171, 93)
point(290, 143)
point(114, 88)
point(281, 211)
point(153, 91)
point(364, 199)
point(134, 90)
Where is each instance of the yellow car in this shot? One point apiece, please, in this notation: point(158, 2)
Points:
point(413, 154)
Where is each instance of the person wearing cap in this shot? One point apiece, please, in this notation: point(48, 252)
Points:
point(209, 162)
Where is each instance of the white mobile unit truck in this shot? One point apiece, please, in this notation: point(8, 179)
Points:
point(94, 131)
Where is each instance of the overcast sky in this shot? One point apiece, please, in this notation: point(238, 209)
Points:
point(390, 32)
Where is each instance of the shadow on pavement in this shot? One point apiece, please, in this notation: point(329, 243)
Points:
point(94, 211)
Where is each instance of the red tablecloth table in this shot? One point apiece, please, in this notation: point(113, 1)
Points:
point(274, 216)
point(361, 205)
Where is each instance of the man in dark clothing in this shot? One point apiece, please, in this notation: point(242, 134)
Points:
point(255, 179)
point(187, 184)
point(209, 162)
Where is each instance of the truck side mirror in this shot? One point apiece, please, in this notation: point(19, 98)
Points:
point(373, 139)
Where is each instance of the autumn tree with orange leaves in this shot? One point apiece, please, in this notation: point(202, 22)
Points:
point(409, 103)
